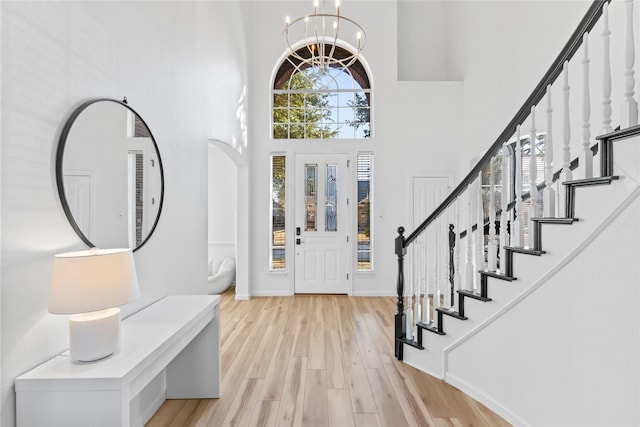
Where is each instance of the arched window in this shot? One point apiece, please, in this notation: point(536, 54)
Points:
point(308, 104)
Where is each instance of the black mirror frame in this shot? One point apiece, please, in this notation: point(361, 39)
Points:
point(59, 172)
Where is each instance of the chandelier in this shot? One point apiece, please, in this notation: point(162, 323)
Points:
point(316, 36)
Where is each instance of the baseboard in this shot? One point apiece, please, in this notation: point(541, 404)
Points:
point(485, 399)
point(279, 293)
point(374, 294)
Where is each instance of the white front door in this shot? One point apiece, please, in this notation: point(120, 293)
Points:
point(322, 216)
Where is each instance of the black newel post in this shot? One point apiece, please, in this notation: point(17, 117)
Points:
point(399, 318)
point(452, 267)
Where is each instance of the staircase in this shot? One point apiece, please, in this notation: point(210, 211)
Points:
point(533, 306)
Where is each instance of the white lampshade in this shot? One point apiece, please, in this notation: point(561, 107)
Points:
point(92, 280)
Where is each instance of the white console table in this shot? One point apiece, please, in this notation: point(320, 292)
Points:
point(170, 350)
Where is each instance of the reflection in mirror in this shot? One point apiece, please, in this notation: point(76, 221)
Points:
point(109, 175)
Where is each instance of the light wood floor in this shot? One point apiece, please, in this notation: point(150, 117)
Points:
point(319, 361)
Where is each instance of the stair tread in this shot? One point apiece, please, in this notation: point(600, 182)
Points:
point(473, 295)
point(591, 181)
point(451, 313)
point(411, 343)
point(550, 220)
point(527, 251)
point(497, 275)
point(430, 328)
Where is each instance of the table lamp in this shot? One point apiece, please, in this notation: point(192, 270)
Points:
point(90, 285)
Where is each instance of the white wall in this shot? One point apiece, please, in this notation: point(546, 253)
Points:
point(223, 187)
point(424, 126)
point(177, 62)
point(568, 354)
point(501, 49)
point(421, 42)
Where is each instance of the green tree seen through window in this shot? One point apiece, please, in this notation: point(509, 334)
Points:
point(304, 114)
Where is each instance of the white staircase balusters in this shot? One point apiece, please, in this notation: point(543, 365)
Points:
point(566, 137)
point(549, 195)
point(517, 230)
point(425, 316)
point(534, 197)
point(630, 106)
point(480, 265)
point(416, 299)
point(504, 202)
point(492, 249)
point(419, 276)
point(586, 156)
point(456, 251)
point(435, 299)
point(445, 285)
point(606, 77)
point(409, 315)
point(469, 266)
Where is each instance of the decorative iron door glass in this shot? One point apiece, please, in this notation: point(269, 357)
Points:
point(322, 224)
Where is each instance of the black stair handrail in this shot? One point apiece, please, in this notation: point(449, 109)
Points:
point(589, 20)
point(568, 51)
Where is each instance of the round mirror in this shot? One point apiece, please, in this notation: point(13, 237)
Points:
point(109, 175)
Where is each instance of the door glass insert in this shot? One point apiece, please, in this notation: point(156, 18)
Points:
point(278, 212)
point(311, 196)
point(331, 197)
point(365, 187)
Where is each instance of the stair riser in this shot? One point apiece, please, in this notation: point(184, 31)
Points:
point(627, 153)
point(608, 197)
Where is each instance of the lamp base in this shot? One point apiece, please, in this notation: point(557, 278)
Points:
point(94, 335)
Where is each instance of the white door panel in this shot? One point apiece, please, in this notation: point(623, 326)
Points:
point(323, 251)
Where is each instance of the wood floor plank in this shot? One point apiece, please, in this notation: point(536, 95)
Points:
point(351, 353)
point(339, 407)
point(317, 350)
point(260, 364)
point(301, 338)
point(443, 422)
point(245, 401)
point(292, 401)
point(360, 392)
point(329, 313)
point(292, 317)
point(345, 373)
point(344, 314)
point(265, 414)
point(167, 413)
point(281, 310)
point(367, 347)
point(408, 397)
point(335, 363)
point(491, 418)
point(367, 420)
point(315, 411)
point(274, 379)
point(316, 309)
point(389, 409)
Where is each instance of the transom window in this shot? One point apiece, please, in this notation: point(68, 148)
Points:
point(335, 104)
